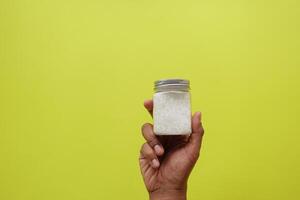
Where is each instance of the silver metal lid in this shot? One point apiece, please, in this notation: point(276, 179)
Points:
point(171, 84)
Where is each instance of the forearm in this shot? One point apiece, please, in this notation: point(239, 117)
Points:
point(168, 195)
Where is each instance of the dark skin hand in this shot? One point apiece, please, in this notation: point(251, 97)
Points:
point(167, 161)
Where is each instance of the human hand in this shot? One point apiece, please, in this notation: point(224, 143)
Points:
point(167, 161)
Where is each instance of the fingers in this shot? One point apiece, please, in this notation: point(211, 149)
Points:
point(148, 153)
point(197, 133)
point(147, 130)
point(148, 104)
point(152, 140)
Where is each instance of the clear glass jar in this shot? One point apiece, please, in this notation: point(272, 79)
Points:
point(172, 107)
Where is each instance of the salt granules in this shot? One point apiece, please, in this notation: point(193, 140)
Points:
point(172, 113)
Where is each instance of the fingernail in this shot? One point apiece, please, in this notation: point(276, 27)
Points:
point(158, 150)
point(155, 163)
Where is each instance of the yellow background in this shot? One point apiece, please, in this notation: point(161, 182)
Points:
point(74, 74)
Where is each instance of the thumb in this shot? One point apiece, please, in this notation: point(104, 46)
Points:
point(197, 133)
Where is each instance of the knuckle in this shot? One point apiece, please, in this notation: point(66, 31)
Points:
point(143, 147)
point(202, 130)
point(144, 126)
point(146, 151)
point(148, 154)
point(153, 142)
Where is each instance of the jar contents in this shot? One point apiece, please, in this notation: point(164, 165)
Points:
point(172, 108)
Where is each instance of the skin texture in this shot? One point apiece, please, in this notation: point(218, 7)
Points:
point(167, 161)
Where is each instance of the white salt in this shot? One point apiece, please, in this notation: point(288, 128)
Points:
point(172, 113)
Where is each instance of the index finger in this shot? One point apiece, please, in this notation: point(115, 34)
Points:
point(148, 104)
point(152, 140)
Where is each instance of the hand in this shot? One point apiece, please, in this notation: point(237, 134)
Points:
point(167, 161)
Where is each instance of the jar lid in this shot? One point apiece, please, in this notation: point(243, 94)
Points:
point(172, 84)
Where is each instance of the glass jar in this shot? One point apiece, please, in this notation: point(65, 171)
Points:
point(172, 107)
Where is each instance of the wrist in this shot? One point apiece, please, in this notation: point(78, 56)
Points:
point(170, 194)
